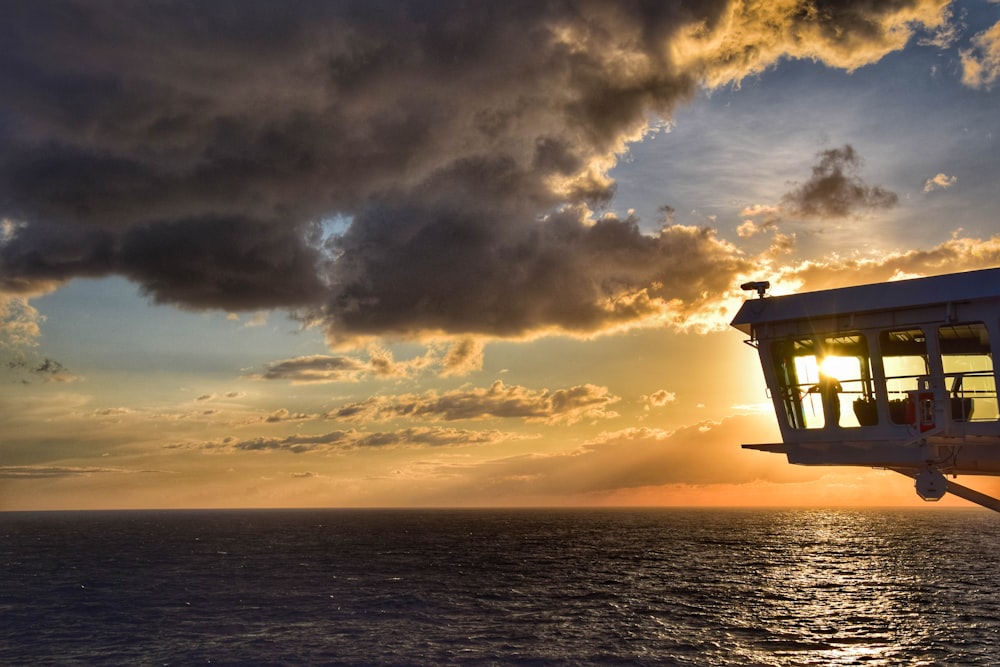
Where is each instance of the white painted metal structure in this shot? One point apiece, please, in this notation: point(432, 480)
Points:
point(894, 375)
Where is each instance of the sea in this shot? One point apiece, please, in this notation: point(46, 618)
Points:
point(501, 587)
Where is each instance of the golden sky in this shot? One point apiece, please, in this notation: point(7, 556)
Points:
point(346, 254)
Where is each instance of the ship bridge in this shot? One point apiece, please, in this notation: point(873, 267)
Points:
point(896, 375)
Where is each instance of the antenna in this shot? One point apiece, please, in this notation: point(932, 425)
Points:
point(759, 286)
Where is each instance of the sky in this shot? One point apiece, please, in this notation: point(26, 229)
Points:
point(425, 254)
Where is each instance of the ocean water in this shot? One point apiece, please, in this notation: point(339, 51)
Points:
point(501, 587)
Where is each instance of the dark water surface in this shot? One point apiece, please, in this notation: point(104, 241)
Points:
point(501, 587)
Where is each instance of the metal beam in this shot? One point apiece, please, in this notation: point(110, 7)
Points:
point(773, 447)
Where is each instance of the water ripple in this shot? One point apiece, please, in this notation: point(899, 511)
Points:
point(569, 587)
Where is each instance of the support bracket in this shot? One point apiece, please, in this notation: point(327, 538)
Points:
point(954, 488)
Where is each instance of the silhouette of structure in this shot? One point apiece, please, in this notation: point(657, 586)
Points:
point(913, 365)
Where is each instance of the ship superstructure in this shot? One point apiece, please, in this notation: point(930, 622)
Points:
point(895, 375)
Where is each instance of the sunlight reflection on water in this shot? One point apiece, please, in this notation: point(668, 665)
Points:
point(867, 588)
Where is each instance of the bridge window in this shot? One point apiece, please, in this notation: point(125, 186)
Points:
point(904, 358)
point(825, 381)
point(797, 369)
point(968, 370)
point(848, 362)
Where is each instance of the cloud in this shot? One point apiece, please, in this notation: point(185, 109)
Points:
point(959, 253)
point(314, 369)
point(770, 217)
point(499, 401)
point(39, 471)
point(215, 397)
point(344, 440)
point(835, 190)
point(744, 39)
point(284, 415)
point(981, 63)
point(748, 228)
point(766, 210)
point(382, 363)
point(198, 152)
point(661, 397)
point(955, 254)
point(566, 272)
point(715, 307)
point(111, 412)
point(257, 319)
point(463, 357)
point(321, 368)
point(297, 444)
point(940, 182)
point(24, 367)
point(432, 437)
point(19, 322)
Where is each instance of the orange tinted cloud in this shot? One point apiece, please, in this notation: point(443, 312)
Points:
point(502, 401)
point(981, 63)
point(748, 37)
point(939, 182)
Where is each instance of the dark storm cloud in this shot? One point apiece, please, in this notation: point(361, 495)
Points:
point(196, 148)
point(236, 264)
point(484, 272)
point(835, 189)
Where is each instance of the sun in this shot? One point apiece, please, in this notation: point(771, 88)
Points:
point(842, 368)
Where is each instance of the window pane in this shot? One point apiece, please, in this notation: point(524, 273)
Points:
point(846, 360)
point(968, 368)
point(825, 381)
point(904, 358)
point(797, 369)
